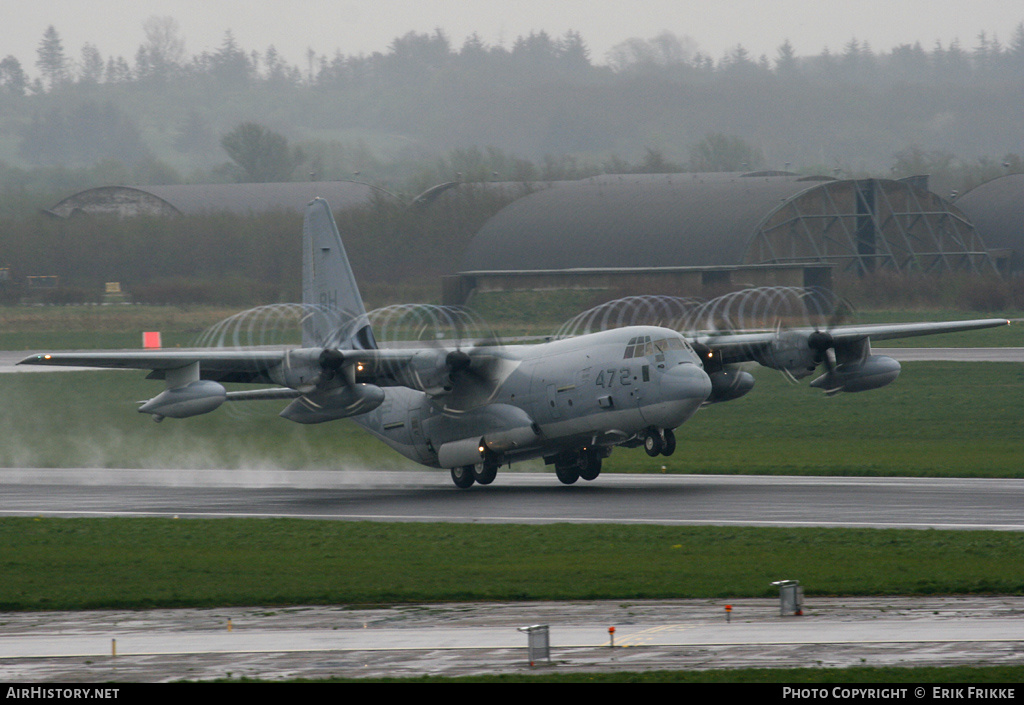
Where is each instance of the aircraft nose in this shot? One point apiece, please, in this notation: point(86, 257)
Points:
point(686, 382)
point(681, 391)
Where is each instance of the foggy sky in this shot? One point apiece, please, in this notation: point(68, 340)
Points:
point(365, 26)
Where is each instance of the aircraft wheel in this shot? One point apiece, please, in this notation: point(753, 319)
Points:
point(670, 443)
point(590, 464)
point(463, 476)
point(653, 443)
point(485, 474)
point(567, 474)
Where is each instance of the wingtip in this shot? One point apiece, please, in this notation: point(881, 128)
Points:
point(37, 359)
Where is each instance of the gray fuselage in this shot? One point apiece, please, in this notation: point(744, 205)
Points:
point(597, 389)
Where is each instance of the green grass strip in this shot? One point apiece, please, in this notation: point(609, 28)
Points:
point(141, 563)
point(938, 419)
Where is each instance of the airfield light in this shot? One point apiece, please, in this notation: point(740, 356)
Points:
point(611, 637)
point(728, 613)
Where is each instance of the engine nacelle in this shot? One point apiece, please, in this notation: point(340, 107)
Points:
point(200, 397)
point(874, 372)
point(789, 352)
point(337, 403)
point(300, 369)
point(727, 385)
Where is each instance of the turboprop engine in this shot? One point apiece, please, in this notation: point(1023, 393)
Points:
point(304, 368)
point(338, 403)
point(728, 384)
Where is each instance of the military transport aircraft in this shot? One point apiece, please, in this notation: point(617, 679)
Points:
point(569, 401)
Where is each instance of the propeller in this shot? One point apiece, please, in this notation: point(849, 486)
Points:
point(473, 373)
point(794, 352)
point(822, 343)
point(331, 361)
point(456, 350)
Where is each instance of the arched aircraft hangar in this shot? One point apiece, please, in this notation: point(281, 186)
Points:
point(996, 208)
point(189, 199)
point(726, 220)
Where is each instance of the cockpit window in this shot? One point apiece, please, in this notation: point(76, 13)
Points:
point(643, 346)
point(637, 347)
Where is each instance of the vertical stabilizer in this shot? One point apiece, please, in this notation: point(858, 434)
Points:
point(335, 315)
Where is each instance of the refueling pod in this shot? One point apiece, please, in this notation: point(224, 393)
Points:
point(199, 397)
point(873, 372)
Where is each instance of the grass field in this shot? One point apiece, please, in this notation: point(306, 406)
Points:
point(143, 563)
point(942, 419)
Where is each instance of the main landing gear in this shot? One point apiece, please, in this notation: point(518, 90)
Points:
point(661, 442)
point(483, 474)
point(585, 464)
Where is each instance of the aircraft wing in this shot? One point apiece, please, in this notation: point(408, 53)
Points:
point(425, 369)
point(323, 384)
point(768, 347)
point(218, 365)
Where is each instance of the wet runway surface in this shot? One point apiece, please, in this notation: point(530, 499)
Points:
point(519, 497)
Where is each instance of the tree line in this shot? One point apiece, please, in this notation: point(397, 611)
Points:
point(390, 115)
point(414, 57)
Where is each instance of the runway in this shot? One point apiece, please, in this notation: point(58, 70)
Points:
point(519, 497)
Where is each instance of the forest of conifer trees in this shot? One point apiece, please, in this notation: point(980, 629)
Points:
point(541, 108)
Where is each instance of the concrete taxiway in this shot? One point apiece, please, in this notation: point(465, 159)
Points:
point(467, 639)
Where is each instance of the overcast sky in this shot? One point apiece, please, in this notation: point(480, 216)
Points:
point(366, 26)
